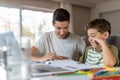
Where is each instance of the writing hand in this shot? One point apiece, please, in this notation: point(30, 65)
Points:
point(50, 56)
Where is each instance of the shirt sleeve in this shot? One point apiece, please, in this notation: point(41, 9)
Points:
point(114, 50)
point(84, 55)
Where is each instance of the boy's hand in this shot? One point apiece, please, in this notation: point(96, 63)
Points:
point(99, 41)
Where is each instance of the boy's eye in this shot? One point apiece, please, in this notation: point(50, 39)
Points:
point(92, 35)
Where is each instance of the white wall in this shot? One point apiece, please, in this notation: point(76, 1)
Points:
point(81, 16)
point(114, 18)
point(105, 7)
point(110, 11)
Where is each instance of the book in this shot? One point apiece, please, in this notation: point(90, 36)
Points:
point(107, 75)
point(90, 72)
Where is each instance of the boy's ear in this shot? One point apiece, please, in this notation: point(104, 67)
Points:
point(106, 34)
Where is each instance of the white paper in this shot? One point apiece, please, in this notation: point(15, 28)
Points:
point(57, 66)
point(69, 64)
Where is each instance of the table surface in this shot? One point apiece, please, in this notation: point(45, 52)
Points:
point(54, 77)
point(64, 77)
point(74, 77)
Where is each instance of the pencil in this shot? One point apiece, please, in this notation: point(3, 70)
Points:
point(67, 74)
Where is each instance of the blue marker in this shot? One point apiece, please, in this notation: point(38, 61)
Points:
point(87, 69)
point(100, 73)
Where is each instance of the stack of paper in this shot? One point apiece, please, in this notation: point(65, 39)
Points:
point(57, 66)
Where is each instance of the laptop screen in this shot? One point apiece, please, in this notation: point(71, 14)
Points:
point(9, 45)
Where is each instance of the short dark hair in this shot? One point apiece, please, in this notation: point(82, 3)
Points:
point(101, 25)
point(61, 14)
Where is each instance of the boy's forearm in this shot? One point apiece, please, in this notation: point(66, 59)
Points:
point(108, 57)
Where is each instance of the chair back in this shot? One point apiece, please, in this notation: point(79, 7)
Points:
point(115, 40)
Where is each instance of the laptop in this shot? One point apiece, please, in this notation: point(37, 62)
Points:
point(36, 69)
point(9, 47)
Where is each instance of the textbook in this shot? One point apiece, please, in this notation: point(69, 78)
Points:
point(108, 74)
point(104, 73)
point(90, 72)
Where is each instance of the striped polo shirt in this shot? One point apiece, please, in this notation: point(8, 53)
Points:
point(94, 57)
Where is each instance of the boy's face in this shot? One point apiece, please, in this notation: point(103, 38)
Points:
point(61, 29)
point(94, 34)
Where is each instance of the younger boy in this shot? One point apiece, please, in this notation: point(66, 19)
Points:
point(99, 53)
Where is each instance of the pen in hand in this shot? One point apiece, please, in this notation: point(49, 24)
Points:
point(50, 56)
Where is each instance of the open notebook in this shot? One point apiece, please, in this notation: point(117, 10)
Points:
point(57, 66)
point(45, 70)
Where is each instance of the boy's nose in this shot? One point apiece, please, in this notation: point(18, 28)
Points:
point(90, 38)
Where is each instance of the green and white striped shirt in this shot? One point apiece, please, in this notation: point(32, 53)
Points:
point(94, 57)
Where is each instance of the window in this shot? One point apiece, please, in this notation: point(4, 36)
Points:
point(9, 20)
point(34, 23)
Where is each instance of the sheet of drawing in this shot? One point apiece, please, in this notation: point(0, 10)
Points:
point(68, 64)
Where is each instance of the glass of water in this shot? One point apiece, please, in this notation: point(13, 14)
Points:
point(17, 65)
